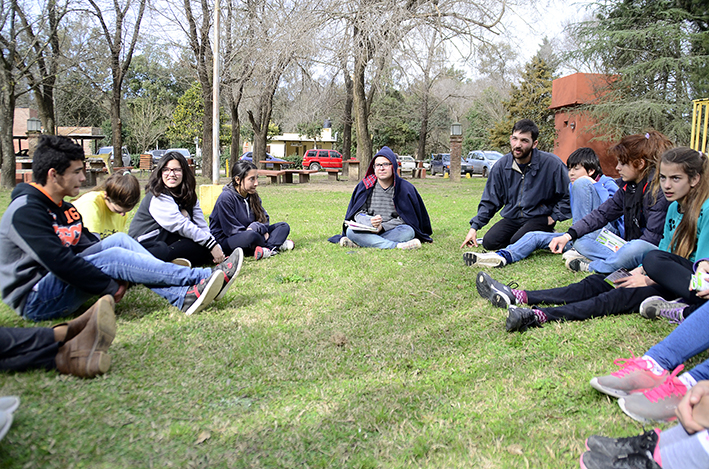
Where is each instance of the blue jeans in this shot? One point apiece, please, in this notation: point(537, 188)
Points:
point(628, 257)
point(387, 240)
point(584, 200)
point(122, 258)
point(687, 340)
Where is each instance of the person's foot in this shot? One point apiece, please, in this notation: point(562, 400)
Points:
point(635, 374)
point(287, 245)
point(572, 254)
point(231, 268)
point(488, 259)
point(578, 264)
point(346, 242)
point(199, 296)
point(593, 460)
point(413, 244)
point(520, 319)
point(615, 447)
point(262, 253)
point(85, 355)
point(181, 261)
point(498, 294)
point(657, 404)
point(656, 306)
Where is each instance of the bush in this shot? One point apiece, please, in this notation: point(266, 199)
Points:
point(297, 160)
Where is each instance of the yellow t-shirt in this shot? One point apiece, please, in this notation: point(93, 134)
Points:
point(96, 215)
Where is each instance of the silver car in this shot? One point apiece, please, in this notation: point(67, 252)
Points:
point(483, 161)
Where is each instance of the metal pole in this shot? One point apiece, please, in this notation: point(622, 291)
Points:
point(215, 97)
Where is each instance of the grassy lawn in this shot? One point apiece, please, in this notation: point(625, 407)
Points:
point(333, 357)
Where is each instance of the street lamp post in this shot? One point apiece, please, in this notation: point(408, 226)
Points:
point(456, 144)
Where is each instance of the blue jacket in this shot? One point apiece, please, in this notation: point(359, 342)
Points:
point(407, 200)
point(542, 191)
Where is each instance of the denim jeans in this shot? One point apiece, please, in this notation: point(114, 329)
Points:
point(584, 200)
point(387, 240)
point(122, 258)
point(628, 257)
point(687, 340)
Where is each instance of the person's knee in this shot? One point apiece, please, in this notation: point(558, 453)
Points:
point(490, 244)
point(582, 185)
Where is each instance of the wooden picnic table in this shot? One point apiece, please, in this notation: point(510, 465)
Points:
point(303, 175)
point(276, 164)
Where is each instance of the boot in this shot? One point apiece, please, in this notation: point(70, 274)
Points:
point(77, 325)
point(85, 355)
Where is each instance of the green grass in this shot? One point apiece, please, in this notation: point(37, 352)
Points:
point(333, 357)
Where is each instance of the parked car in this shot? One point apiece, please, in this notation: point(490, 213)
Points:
point(157, 154)
point(483, 161)
point(248, 156)
point(407, 163)
point(441, 163)
point(318, 159)
point(125, 157)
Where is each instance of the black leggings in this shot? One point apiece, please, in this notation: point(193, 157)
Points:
point(175, 246)
point(594, 297)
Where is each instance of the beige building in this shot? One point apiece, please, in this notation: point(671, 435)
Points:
point(281, 146)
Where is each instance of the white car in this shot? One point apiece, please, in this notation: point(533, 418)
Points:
point(407, 163)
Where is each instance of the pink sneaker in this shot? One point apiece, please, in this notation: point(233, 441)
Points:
point(657, 404)
point(634, 375)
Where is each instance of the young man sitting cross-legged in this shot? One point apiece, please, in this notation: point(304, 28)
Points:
point(52, 264)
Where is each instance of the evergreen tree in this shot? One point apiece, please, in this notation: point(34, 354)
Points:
point(657, 53)
point(529, 100)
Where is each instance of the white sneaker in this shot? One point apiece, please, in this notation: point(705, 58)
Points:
point(346, 242)
point(262, 253)
point(413, 244)
point(485, 259)
point(287, 245)
point(571, 254)
point(182, 261)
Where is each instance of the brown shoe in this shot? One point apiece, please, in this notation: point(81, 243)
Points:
point(77, 325)
point(85, 355)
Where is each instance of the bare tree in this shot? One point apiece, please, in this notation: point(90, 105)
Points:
point(117, 37)
point(8, 41)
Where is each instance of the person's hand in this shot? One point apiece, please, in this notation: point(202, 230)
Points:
point(266, 236)
point(636, 279)
point(122, 288)
point(376, 222)
point(218, 254)
point(550, 220)
point(685, 408)
point(471, 239)
point(702, 269)
point(557, 244)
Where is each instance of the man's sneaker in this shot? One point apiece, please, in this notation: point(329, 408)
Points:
point(656, 306)
point(287, 245)
point(579, 264)
point(617, 447)
point(199, 296)
point(657, 404)
point(413, 244)
point(230, 268)
point(495, 292)
point(520, 319)
point(634, 375)
point(489, 259)
point(181, 261)
point(262, 253)
point(346, 242)
point(572, 254)
point(593, 460)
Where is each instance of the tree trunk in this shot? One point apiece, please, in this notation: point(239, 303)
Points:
point(116, 126)
point(7, 117)
point(347, 123)
point(207, 150)
point(364, 141)
point(421, 150)
point(235, 136)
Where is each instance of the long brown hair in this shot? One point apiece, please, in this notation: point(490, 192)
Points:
point(693, 164)
point(238, 174)
point(186, 193)
point(122, 189)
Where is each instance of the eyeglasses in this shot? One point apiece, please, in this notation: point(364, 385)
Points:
point(382, 165)
point(174, 171)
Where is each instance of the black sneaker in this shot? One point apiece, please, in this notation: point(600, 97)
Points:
point(593, 460)
point(231, 268)
point(520, 319)
point(495, 292)
point(579, 264)
point(199, 296)
point(617, 447)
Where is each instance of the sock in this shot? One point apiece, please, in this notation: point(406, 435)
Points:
point(505, 255)
point(520, 295)
point(656, 369)
point(541, 316)
point(690, 451)
point(687, 379)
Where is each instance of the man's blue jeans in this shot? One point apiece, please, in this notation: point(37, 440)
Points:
point(122, 258)
point(387, 240)
point(689, 339)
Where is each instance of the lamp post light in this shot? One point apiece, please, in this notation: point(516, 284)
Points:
point(456, 144)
